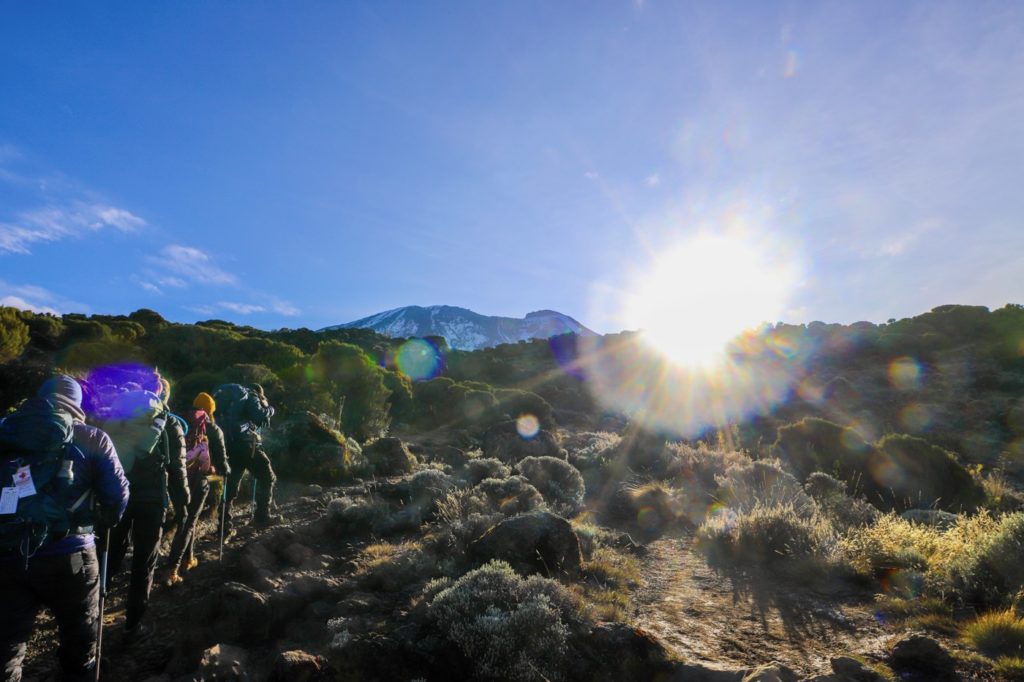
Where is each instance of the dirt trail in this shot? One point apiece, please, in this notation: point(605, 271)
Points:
point(710, 618)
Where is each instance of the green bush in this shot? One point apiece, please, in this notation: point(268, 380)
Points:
point(906, 472)
point(559, 482)
point(813, 444)
point(14, 334)
point(508, 628)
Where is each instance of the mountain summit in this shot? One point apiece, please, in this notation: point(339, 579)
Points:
point(465, 329)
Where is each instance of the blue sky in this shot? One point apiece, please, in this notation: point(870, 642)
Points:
point(305, 164)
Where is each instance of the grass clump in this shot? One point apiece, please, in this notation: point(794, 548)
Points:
point(608, 579)
point(508, 627)
point(777, 537)
point(996, 634)
point(1010, 668)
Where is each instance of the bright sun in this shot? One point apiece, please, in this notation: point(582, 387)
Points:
point(700, 294)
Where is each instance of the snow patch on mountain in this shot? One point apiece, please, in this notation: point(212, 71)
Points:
point(465, 329)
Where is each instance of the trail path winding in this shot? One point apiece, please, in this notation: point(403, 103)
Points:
point(710, 618)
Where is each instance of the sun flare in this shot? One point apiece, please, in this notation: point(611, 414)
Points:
point(698, 295)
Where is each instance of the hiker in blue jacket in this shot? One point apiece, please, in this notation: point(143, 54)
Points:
point(47, 547)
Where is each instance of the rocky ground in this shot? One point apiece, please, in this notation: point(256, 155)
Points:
point(312, 600)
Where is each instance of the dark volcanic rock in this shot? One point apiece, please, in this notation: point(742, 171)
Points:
point(918, 657)
point(530, 543)
point(389, 457)
point(241, 613)
point(503, 442)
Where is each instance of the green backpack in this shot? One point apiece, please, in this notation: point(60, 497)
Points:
point(137, 428)
point(39, 436)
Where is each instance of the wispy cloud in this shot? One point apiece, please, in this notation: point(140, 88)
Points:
point(36, 298)
point(241, 308)
point(55, 223)
point(187, 264)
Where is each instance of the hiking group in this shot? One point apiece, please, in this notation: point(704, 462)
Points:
point(103, 457)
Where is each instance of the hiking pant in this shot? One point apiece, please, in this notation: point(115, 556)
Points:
point(68, 585)
point(244, 456)
point(143, 526)
point(199, 489)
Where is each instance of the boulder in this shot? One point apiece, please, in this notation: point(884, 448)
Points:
point(503, 442)
point(616, 651)
point(242, 614)
point(312, 452)
point(389, 457)
point(919, 657)
point(224, 663)
point(300, 666)
point(536, 542)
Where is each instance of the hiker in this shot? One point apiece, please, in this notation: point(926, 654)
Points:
point(206, 456)
point(243, 413)
point(72, 483)
point(151, 445)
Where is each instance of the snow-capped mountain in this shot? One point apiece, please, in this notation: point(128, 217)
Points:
point(465, 329)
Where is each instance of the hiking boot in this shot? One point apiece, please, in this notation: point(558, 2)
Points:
point(172, 578)
point(137, 631)
point(192, 563)
point(267, 519)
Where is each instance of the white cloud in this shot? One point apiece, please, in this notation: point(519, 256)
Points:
point(283, 307)
point(241, 308)
point(36, 298)
point(55, 223)
point(189, 264)
point(653, 180)
point(150, 287)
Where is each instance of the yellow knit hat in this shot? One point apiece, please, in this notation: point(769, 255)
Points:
point(205, 402)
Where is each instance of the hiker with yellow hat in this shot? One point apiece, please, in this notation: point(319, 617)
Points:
point(206, 456)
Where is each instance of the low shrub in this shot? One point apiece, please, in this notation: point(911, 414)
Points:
point(509, 628)
point(476, 470)
point(843, 510)
point(357, 516)
point(997, 634)
point(993, 572)
point(648, 509)
point(762, 484)
point(510, 496)
point(559, 483)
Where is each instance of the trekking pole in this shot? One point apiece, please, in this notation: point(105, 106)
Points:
point(103, 598)
point(223, 515)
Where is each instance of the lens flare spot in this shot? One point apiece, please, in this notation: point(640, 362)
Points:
point(915, 418)
point(418, 359)
point(528, 426)
point(811, 391)
point(905, 373)
point(695, 298)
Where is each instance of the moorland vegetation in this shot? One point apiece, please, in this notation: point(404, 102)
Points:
point(495, 513)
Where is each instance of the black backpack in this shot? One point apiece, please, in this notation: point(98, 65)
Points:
point(236, 407)
point(39, 436)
